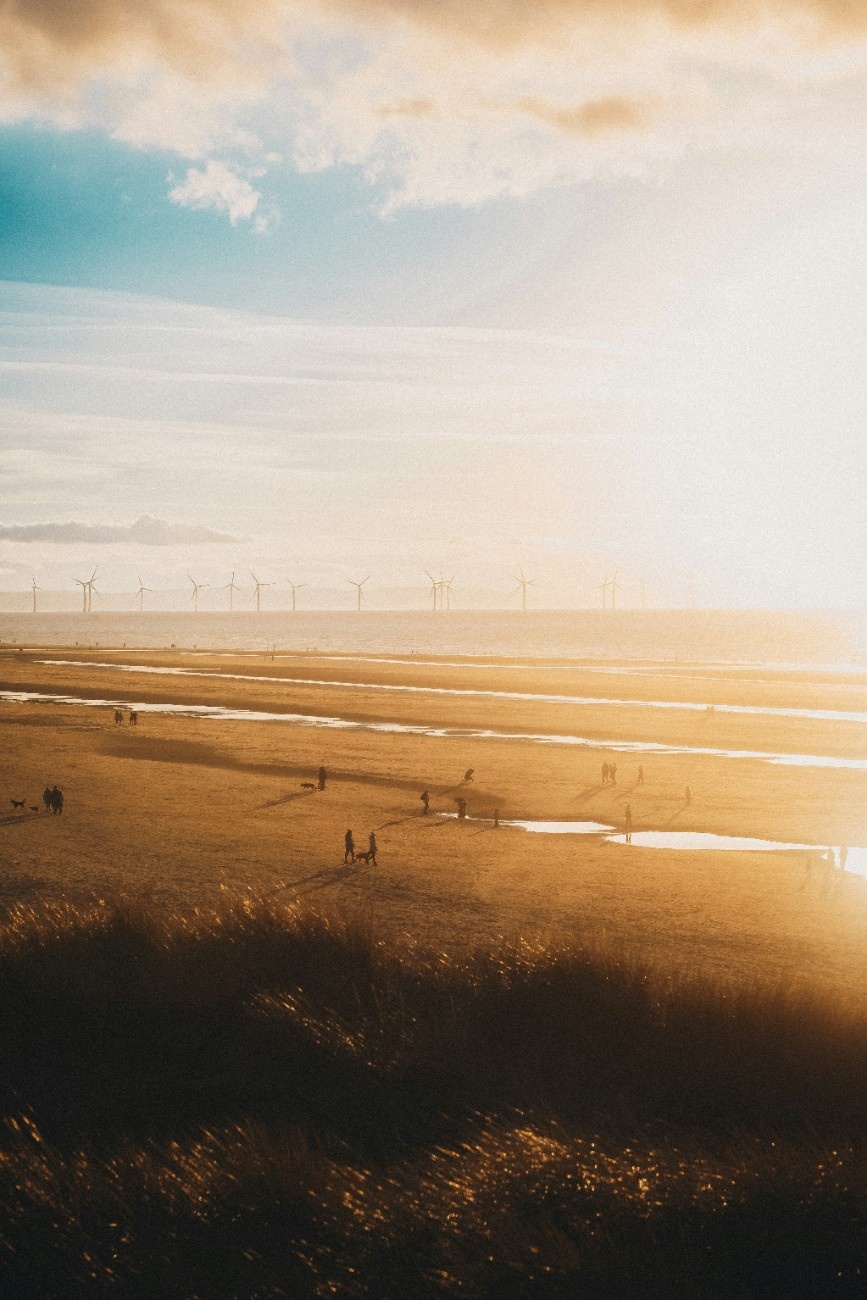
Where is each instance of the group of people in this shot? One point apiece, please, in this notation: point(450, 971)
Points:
point(52, 797)
point(349, 850)
point(609, 773)
point(118, 718)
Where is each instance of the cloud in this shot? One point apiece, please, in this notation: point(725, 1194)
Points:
point(146, 531)
point(220, 188)
point(437, 101)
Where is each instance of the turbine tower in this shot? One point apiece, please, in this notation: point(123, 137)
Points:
point(614, 586)
point(196, 586)
point(358, 586)
point(140, 593)
point(257, 590)
point(231, 586)
point(434, 588)
point(603, 587)
point(447, 591)
point(35, 589)
point(523, 584)
point(87, 590)
point(296, 586)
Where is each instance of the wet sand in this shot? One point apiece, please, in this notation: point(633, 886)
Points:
point(188, 810)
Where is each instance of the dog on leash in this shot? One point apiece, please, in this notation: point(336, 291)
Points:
point(308, 785)
point(363, 857)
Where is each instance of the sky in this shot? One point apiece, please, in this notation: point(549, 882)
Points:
point(378, 286)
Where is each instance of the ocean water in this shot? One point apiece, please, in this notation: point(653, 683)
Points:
point(826, 641)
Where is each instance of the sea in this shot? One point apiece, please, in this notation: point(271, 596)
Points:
point(832, 642)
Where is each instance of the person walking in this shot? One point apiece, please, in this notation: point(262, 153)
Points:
point(640, 775)
point(348, 847)
point(56, 800)
point(605, 771)
point(322, 778)
point(371, 847)
point(425, 798)
point(46, 798)
point(688, 796)
point(612, 772)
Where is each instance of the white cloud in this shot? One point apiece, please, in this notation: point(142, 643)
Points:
point(436, 102)
point(219, 187)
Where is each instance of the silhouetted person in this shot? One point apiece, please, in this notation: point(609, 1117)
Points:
point(322, 777)
point(844, 854)
point(56, 800)
point(627, 817)
point(425, 798)
point(468, 775)
point(612, 772)
point(688, 796)
point(496, 816)
point(605, 771)
point(46, 798)
point(640, 775)
point(371, 847)
point(133, 718)
point(348, 847)
point(462, 807)
point(118, 717)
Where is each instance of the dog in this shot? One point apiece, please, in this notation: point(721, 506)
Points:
point(363, 857)
point(308, 785)
point(34, 807)
point(18, 803)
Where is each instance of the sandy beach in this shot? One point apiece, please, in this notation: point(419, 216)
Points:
point(184, 810)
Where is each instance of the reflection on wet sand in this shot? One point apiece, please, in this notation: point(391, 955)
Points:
point(461, 733)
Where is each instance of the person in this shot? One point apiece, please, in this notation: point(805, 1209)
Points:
point(612, 772)
point(462, 807)
point(468, 775)
point(688, 796)
point(605, 771)
point(118, 717)
point(322, 775)
point(371, 847)
point(496, 816)
point(627, 817)
point(133, 718)
point(425, 798)
point(640, 775)
point(46, 798)
point(348, 847)
point(844, 854)
point(56, 800)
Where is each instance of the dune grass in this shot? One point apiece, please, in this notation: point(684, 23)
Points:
point(265, 1102)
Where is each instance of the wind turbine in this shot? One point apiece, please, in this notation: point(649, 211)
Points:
point(358, 586)
point(603, 587)
point(296, 586)
point(231, 586)
point(434, 588)
point(257, 590)
point(35, 589)
point(140, 593)
point(614, 586)
point(447, 590)
point(196, 586)
point(87, 589)
point(524, 583)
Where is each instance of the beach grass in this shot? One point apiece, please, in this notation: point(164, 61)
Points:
point(259, 1100)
